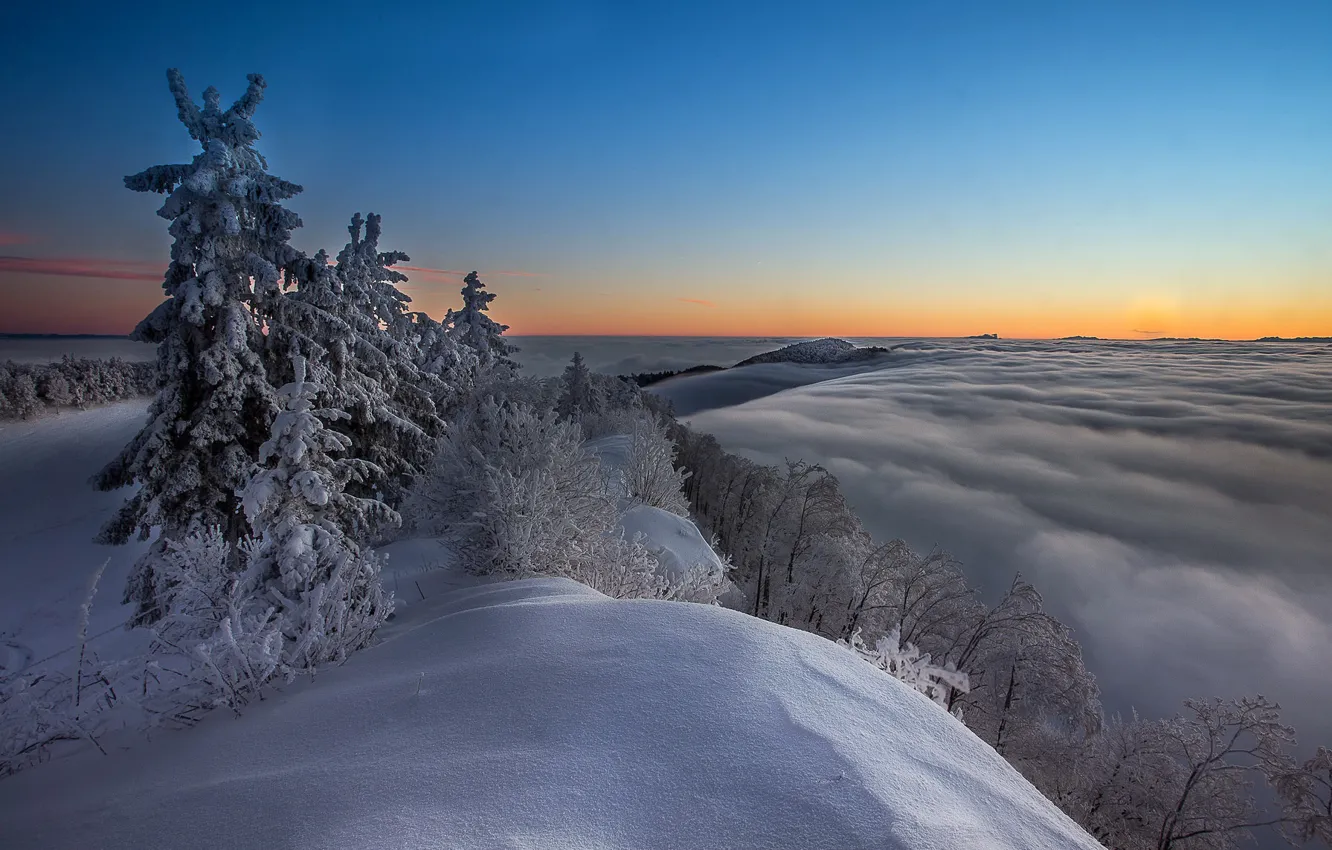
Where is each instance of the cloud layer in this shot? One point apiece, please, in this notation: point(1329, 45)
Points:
point(1173, 501)
point(625, 355)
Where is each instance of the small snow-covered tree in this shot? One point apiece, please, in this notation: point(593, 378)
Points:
point(230, 642)
point(476, 329)
point(23, 398)
point(214, 400)
point(452, 366)
point(577, 395)
point(302, 562)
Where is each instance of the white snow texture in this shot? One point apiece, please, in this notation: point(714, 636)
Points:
point(541, 714)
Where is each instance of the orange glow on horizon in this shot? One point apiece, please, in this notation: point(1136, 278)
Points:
point(50, 304)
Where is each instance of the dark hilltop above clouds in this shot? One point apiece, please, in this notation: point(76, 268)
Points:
point(1294, 339)
point(826, 351)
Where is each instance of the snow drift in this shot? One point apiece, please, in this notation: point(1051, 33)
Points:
point(540, 714)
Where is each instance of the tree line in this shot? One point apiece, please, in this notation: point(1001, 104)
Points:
point(29, 389)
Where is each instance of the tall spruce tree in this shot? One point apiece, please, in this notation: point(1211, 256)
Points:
point(214, 402)
point(350, 324)
point(397, 433)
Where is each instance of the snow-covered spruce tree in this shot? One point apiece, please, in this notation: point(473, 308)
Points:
point(302, 563)
point(578, 398)
point(214, 402)
point(451, 367)
point(477, 330)
point(350, 323)
point(396, 424)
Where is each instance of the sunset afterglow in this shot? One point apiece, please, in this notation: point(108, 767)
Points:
point(1120, 171)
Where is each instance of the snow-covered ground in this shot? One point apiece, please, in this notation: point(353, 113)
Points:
point(674, 541)
point(48, 516)
point(540, 714)
point(531, 714)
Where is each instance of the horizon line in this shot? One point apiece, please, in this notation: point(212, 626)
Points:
point(979, 338)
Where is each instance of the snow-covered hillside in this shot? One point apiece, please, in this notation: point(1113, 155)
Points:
point(826, 350)
point(534, 713)
point(540, 714)
point(48, 517)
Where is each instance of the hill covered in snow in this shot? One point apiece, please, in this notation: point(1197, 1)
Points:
point(540, 713)
point(826, 350)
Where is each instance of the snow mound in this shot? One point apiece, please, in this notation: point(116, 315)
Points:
point(673, 540)
point(540, 714)
point(826, 350)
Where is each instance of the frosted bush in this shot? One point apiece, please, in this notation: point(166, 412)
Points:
point(908, 664)
point(650, 473)
point(520, 495)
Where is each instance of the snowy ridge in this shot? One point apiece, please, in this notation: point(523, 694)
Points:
point(826, 350)
point(541, 714)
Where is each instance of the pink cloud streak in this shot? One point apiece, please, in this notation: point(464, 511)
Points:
point(83, 267)
point(8, 237)
point(696, 301)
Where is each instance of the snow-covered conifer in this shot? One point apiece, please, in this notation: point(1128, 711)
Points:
point(303, 563)
point(482, 333)
point(578, 398)
point(350, 322)
point(214, 400)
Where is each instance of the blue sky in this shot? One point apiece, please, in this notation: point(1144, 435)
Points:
point(1078, 166)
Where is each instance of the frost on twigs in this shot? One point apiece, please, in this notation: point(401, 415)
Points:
point(518, 492)
point(908, 664)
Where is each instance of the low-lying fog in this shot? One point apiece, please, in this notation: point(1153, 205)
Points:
point(1173, 501)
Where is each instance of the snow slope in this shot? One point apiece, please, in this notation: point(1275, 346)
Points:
point(673, 540)
point(48, 516)
point(540, 714)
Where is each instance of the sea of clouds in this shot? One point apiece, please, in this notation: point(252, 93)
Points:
point(1172, 501)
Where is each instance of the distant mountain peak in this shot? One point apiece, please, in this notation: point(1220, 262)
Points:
point(826, 350)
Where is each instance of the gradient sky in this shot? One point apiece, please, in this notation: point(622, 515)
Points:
point(866, 169)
